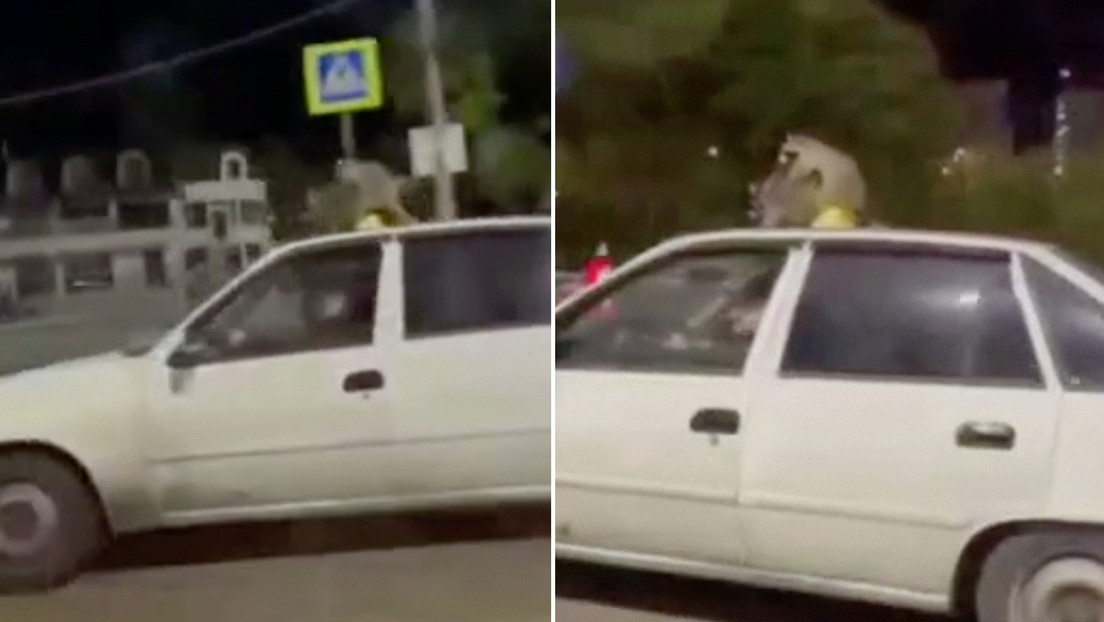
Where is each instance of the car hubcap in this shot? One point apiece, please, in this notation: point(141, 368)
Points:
point(1067, 590)
point(28, 520)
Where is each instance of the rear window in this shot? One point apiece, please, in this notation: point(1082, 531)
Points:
point(478, 280)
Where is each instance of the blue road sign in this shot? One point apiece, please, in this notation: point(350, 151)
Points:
point(342, 77)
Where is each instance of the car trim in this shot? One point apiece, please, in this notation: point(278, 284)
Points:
point(624, 486)
point(389, 442)
point(1030, 307)
point(760, 501)
point(832, 588)
point(336, 507)
point(826, 507)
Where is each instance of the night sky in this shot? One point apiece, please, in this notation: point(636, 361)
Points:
point(255, 92)
point(242, 96)
point(1023, 41)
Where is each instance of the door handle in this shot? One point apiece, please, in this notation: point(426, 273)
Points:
point(985, 435)
point(365, 380)
point(715, 421)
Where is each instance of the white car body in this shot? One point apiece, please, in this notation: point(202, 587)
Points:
point(463, 418)
point(841, 486)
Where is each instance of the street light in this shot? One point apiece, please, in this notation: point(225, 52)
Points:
point(443, 196)
point(1061, 122)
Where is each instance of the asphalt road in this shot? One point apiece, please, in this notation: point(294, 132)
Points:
point(451, 567)
point(587, 593)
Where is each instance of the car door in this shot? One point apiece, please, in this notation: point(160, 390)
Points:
point(472, 391)
point(1068, 295)
point(909, 403)
point(649, 401)
point(276, 397)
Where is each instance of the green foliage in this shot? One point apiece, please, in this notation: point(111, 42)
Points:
point(521, 166)
point(510, 164)
point(672, 81)
point(1020, 196)
point(467, 70)
point(637, 34)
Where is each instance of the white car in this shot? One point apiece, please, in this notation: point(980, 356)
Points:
point(908, 418)
point(406, 368)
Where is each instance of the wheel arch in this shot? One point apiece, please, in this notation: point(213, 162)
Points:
point(71, 462)
point(985, 541)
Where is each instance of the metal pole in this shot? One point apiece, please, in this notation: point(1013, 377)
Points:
point(348, 136)
point(444, 200)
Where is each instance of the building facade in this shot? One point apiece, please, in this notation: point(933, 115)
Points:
point(128, 237)
point(110, 249)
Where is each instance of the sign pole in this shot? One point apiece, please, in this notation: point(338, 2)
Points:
point(348, 136)
point(341, 78)
point(444, 199)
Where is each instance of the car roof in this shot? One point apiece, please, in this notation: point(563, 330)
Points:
point(905, 237)
point(388, 233)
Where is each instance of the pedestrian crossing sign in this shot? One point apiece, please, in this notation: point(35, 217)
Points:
point(342, 77)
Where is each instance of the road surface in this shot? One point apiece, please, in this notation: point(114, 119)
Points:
point(440, 568)
point(586, 593)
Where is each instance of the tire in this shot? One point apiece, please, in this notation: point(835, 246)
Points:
point(50, 523)
point(1053, 576)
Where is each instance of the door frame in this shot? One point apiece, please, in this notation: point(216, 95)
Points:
point(943, 532)
point(159, 377)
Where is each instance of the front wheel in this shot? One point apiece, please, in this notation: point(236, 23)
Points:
point(50, 523)
point(1044, 577)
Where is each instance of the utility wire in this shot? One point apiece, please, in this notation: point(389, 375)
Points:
point(175, 62)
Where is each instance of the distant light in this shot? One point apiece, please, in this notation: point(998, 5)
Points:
point(713, 151)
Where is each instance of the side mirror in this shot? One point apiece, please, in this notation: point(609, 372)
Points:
point(192, 352)
point(184, 358)
point(202, 347)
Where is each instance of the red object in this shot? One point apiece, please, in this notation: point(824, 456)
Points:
point(598, 266)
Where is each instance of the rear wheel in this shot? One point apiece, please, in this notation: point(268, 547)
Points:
point(1045, 577)
point(50, 523)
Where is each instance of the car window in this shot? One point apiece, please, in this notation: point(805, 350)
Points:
point(1088, 268)
point(921, 315)
point(478, 280)
point(1073, 322)
point(694, 313)
point(313, 300)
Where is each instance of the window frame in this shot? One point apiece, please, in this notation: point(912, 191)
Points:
point(224, 298)
point(649, 263)
point(1046, 375)
point(1067, 268)
point(161, 255)
point(406, 237)
point(72, 260)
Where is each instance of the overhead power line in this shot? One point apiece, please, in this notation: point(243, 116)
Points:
point(178, 61)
